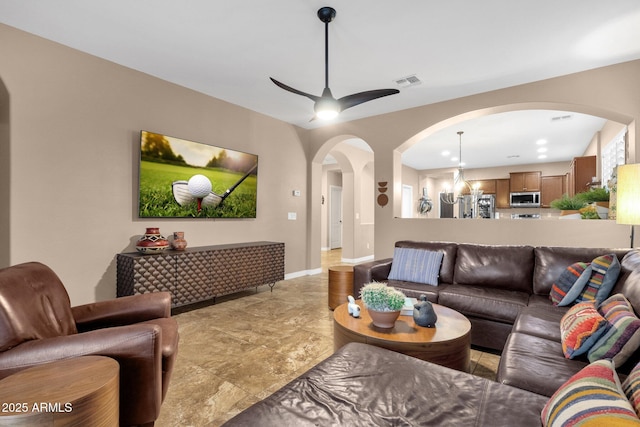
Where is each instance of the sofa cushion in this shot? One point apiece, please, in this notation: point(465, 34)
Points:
point(536, 364)
point(488, 303)
point(593, 396)
point(628, 283)
point(540, 321)
point(623, 337)
point(573, 277)
point(580, 328)
point(550, 262)
point(631, 388)
point(498, 267)
point(414, 290)
point(416, 265)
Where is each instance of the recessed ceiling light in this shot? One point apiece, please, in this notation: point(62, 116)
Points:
point(541, 141)
point(454, 159)
point(542, 150)
point(445, 153)
point(542, 156)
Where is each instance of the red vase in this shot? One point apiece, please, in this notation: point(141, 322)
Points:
point(152, 242)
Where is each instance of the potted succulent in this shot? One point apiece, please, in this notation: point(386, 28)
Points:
point(569, 206)
point(383, 303)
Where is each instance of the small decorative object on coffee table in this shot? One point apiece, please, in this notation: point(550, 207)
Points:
point(152, 242)
point(353, 308)
point(383, 303)
point(424, 314)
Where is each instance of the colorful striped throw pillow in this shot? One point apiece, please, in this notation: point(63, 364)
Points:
point(580, 328)
point(416, 265)
point(576, 274)
point(605, 271)
point(591, 397)
point(631, 387)
point(622, 338)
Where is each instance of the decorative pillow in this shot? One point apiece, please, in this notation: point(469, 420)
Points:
point(580, 328)
point(593, 396)
point(605, 271)
point(631, 387)
point(416, 265)
point(622, 338)
point(576, 274)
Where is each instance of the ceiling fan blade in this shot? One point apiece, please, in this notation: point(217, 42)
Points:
point(296, 91)
point(361, 97)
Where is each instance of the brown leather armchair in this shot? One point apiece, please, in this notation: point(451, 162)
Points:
point(38, 325)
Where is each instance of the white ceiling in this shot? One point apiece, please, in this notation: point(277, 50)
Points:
point(229, 49)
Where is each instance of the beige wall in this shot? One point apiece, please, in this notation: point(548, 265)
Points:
point(610, 92)
point(74, 136)
point(71, 140)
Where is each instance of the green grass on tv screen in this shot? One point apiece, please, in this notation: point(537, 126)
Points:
point(156, 196)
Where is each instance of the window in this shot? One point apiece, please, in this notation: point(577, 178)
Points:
point(613, 154)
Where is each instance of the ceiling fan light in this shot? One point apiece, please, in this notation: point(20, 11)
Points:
point(327, 109)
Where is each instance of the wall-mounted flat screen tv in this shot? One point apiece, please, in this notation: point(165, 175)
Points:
point(187, 179)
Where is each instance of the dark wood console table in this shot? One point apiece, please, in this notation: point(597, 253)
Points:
point(201, 273)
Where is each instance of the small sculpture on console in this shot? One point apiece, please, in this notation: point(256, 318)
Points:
point(352, 307)
point(424, 314)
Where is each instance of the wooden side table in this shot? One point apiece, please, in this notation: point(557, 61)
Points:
point(82, 391)
point(340, 284)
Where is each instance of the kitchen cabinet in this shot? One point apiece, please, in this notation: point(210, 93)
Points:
point(552, 188)
point(488, 186)
point(580, 174)
point(502, 193)
point(525, 181)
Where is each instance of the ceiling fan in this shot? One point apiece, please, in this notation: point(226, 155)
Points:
point(326, 106)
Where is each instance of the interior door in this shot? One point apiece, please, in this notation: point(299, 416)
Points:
point(335, 218)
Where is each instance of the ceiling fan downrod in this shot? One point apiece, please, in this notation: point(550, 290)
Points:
point(326, 15)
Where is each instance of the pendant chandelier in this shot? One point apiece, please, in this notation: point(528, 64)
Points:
point(459, 183)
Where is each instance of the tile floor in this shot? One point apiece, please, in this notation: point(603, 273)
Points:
point(244, 347)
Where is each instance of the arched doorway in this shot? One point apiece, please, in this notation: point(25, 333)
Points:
point(344, 168)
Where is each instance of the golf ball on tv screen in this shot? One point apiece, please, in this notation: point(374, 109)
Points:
point(199, 186)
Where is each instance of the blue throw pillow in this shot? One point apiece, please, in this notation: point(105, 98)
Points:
point(416, 265)
point(604, 271)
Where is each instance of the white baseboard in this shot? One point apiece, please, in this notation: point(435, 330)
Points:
point(357, 260)
point(302, 273)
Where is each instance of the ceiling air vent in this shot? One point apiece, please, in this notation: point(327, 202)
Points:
point(411, 80)
point(560, 118)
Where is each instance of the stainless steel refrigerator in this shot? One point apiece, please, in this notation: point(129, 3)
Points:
point(483, 206)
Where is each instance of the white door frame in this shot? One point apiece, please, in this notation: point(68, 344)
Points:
point(335, 209)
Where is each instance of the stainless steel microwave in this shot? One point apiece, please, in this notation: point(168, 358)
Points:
point(528, 199)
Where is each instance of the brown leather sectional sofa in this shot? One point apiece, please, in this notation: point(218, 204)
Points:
point(504, 291)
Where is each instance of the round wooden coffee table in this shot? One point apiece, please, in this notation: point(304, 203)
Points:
point(448, 344)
